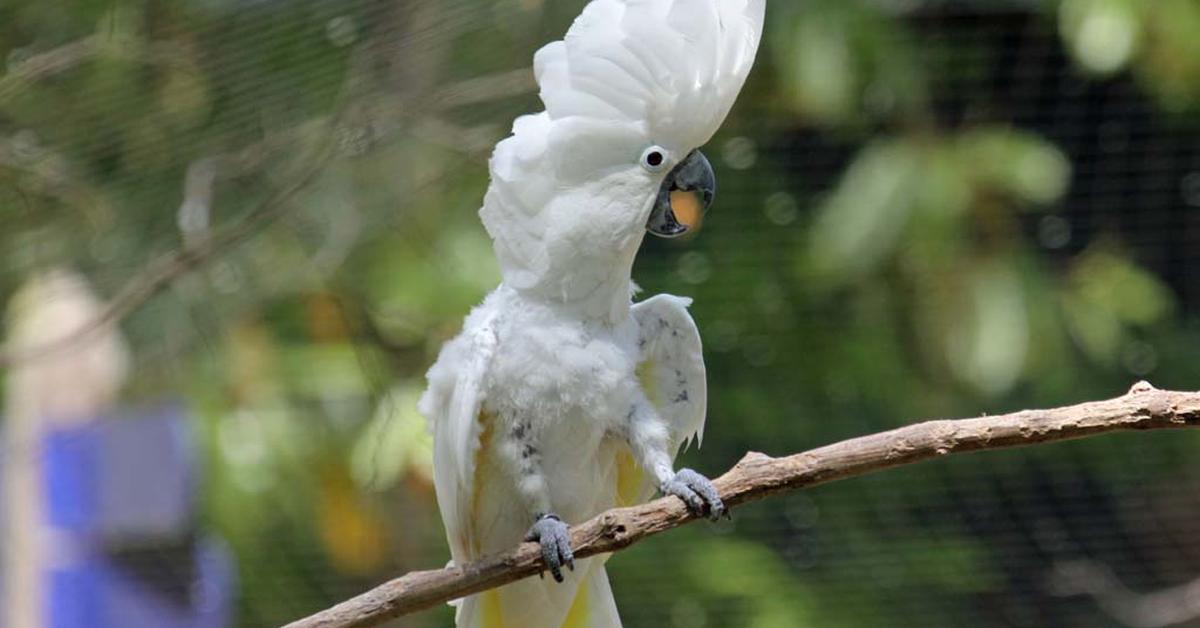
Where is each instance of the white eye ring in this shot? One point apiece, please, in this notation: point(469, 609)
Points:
point(654, 159)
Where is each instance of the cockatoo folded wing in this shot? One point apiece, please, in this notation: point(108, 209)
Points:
point(671, 369)
point(454, 405)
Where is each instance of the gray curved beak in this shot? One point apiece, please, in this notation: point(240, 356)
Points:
point(685, 195)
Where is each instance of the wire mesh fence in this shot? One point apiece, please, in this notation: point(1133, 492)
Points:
point(926, 209)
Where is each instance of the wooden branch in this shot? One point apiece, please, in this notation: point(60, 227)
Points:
point(757, 476)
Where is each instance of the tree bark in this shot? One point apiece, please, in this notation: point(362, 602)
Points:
point(757, 476)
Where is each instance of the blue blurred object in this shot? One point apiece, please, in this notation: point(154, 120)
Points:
point(124, 551)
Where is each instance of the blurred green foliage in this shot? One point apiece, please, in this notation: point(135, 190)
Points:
point(911, 285)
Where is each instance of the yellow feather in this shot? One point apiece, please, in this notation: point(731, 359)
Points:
point(485, 442)
point(578, 615)
point(629, 479)
point(490, 613)
point(645, 375)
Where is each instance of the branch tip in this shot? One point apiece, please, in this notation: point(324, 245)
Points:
point(1142, 386)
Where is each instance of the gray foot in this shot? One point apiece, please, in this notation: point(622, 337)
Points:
point(552, 534)
point(697, 492)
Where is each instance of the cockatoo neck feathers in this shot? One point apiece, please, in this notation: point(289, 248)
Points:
point(628, 74)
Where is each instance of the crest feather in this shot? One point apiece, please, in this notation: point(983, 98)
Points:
point(674, 65)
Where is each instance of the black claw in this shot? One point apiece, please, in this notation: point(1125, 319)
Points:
point(568, 557)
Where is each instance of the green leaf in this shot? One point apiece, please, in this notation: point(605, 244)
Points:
point(1106, 294)
point(1111, 282)
point(396, 442)
point(1103, 35)
point(987, 349)
point(1170, 63)
point(817, 64)
point(1016, 163)
point(842, 63)
point(860, 223)
point(772, 596)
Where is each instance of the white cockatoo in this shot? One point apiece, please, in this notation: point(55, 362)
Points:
point(561, 398)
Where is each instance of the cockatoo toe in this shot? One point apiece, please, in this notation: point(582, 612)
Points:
point(555, 538)
point(697, 492)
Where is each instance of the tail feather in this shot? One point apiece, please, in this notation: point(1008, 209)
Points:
point(584, 600)
point(594, 606)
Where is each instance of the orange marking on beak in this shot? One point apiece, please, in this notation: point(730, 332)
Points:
point(688, 207)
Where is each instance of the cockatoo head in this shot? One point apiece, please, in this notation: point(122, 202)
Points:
point(631, 94)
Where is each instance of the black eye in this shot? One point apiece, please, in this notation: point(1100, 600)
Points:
point(654, 158)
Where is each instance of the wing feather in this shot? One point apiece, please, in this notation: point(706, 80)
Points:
point(453, 405)
point(673, 362)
